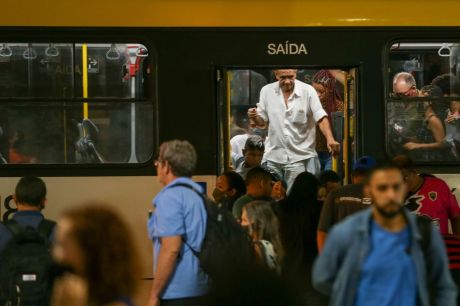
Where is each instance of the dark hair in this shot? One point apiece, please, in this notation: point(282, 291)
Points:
point(384, 166)
point(432, 90)
point(30, 190)
point(111, 263)
point(235, 180)
point(328, 176)
point(304, 190)
point(404, 162)
point(449, 83)
point(299, 215)
point(360, 172)
point(258, 174)
point(254, 142)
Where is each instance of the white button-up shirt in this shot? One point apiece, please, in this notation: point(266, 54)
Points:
point(292, 129)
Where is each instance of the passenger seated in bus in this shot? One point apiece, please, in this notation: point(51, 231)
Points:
point(258, 184)
point(15, 153)
point(429, 141)
point(263, 228)
point(326, 87)
point(97, 247)
point(253, 153)
point(229, 187)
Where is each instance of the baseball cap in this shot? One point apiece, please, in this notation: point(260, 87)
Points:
point(365, 162)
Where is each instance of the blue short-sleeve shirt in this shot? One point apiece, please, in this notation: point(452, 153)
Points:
point(179, 211)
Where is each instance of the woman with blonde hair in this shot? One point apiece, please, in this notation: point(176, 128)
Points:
point(97, 246)
point(262, 225)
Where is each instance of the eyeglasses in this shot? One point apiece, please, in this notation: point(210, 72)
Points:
point(406, 93)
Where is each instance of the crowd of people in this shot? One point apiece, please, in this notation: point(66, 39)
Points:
point(427, 129)
point(278, 231)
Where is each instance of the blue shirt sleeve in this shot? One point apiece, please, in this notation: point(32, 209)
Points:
point(169, 214)
point(327, 264)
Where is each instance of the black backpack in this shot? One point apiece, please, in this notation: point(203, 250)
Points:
point(227, 249)
point(26, 266)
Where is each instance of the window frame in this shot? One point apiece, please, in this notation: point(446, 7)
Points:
point(387, 87)
point(92, 36)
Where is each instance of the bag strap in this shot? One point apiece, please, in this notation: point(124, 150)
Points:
point(45, 228)
point(14, 227)
point(195, 252)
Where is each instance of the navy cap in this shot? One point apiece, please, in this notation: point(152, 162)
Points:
point(365, 163)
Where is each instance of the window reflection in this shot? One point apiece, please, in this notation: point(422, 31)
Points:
point(423, 101)
point(41, 121)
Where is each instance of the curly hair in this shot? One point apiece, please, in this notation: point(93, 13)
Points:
point(110, 256)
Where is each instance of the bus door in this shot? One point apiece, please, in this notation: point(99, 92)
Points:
point(239, 89)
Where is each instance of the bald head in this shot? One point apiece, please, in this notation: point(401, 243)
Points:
point(404, 85)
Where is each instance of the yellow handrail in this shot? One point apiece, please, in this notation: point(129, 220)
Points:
point(84, 49)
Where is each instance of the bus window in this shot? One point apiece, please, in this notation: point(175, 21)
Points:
point(423, 108)
point(75, 103)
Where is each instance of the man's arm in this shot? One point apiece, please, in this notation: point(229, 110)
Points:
point(326, 219)
point(453, 210)
point(326, 266)
point(455, 222)
point(167, 259)
point(446, 291)
point(325, 127)
point(321, 239)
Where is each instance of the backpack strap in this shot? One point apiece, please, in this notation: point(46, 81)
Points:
point(14, 227)
point(195, 252)
point(45, 228)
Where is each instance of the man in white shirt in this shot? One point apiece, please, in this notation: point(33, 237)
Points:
point(291, 110)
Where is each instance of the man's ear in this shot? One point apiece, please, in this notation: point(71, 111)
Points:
point(168, 167)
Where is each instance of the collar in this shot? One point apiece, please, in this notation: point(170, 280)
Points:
point(297, 91)
point(365, 223)
point(182, 179)
point(28, 213)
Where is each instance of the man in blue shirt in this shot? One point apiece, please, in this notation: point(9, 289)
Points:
point(179, 216)
point(30, 199)
point(375, 257)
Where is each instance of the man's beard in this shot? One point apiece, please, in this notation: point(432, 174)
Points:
point(389, 214)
